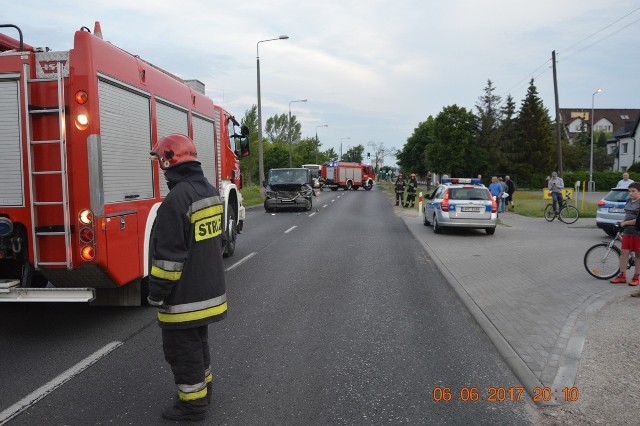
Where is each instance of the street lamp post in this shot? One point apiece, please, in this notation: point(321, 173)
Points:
point(341, 139)
point(591, 182)
point(290, 102)
point(322, 125)
point(260, 150)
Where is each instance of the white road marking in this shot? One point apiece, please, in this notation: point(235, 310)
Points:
point(240, 262)
point(312, 214)
point(290, 229)
point(49, 387)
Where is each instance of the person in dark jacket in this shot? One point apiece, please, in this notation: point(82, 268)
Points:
point(186, 281)
point(411, 191)
point(399, 186)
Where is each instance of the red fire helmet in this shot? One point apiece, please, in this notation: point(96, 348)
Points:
point(174, 149)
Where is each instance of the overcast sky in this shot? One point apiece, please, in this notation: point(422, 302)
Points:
point(372, 70)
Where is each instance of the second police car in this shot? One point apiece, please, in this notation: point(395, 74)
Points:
point(611, 210)
point(461, 203)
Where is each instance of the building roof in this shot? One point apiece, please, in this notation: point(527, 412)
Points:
point(617, 117)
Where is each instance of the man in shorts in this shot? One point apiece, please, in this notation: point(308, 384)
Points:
point(630, 236)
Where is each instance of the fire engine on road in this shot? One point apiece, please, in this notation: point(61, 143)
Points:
point(337, 174)
point(79, 195)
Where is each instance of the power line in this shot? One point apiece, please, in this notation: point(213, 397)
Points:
point(602, 29)
point(599, 40)
point(533, 74)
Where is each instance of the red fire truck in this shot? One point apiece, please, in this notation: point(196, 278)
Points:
point(336, 174)
point(79, 194)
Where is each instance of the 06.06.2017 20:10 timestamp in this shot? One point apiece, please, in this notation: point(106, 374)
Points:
point(503, 394)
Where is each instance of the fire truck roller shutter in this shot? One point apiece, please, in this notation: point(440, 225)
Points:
point(170, 119)
point(204, 140)
point(11, 191)
point(125, 128)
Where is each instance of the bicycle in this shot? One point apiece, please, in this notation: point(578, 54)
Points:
point(567, 213)
point(602, 260)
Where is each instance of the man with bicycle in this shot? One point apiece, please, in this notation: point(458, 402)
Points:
point(630, 236)
point(556, 185)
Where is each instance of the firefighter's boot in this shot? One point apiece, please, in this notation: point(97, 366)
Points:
point(182, 410)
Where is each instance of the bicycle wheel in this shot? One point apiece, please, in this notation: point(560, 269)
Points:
point(602, 261)
point(548, 213)
point(569, 214)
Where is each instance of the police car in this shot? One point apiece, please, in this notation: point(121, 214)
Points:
point(611, 210)
point(461, 203)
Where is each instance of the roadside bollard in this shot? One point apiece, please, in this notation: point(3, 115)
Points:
point(419, 203)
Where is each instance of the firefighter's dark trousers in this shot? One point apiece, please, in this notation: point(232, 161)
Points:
point(187, 352)
point(411, 198)
point(399, 198)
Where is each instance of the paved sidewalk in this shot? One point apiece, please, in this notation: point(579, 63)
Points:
point(528, 289)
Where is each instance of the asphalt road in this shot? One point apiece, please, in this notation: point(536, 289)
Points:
point(336, 316)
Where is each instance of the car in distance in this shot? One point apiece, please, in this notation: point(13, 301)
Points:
point(611, 210)
point(315, 173)
point(461, 203)
point(288, 188)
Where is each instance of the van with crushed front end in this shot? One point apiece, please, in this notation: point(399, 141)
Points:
point(289, 188)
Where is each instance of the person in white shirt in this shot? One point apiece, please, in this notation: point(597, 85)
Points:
point(625, 181)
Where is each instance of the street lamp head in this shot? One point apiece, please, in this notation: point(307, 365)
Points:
point(597, 91)
point(283, 37)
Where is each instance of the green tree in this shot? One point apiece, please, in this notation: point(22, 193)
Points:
point(453, 150)
point(249, 165)
point(277, 128)
point(276, 155)
point(304, 152)
point(353, 154)
point(491, 158)
point(412, 154)
point(508, 140)
point(535, 136)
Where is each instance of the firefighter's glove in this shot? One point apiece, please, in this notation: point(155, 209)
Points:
point(158, 303)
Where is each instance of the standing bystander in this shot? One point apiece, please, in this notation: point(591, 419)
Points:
point(511, 188)
point(496, 190)
point(625, 181)
point(556, 185)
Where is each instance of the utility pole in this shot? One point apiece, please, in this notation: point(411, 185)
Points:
point(558, 138)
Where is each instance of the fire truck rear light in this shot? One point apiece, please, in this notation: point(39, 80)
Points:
point(82, 121)
point(86, 216)
point(81, 97)
point(86, 235)
point(87, 253)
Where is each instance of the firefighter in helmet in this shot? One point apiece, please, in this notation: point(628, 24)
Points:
point(400, 190)
point(186, 281)
point(412, 187)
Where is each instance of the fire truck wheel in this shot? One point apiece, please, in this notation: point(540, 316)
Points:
point(368, 186)
point(232, 232)
point(349, 186)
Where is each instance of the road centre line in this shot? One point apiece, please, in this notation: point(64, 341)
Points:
point(49, 387)
point(312, 214)
point(290, 229)
point(241, 261)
